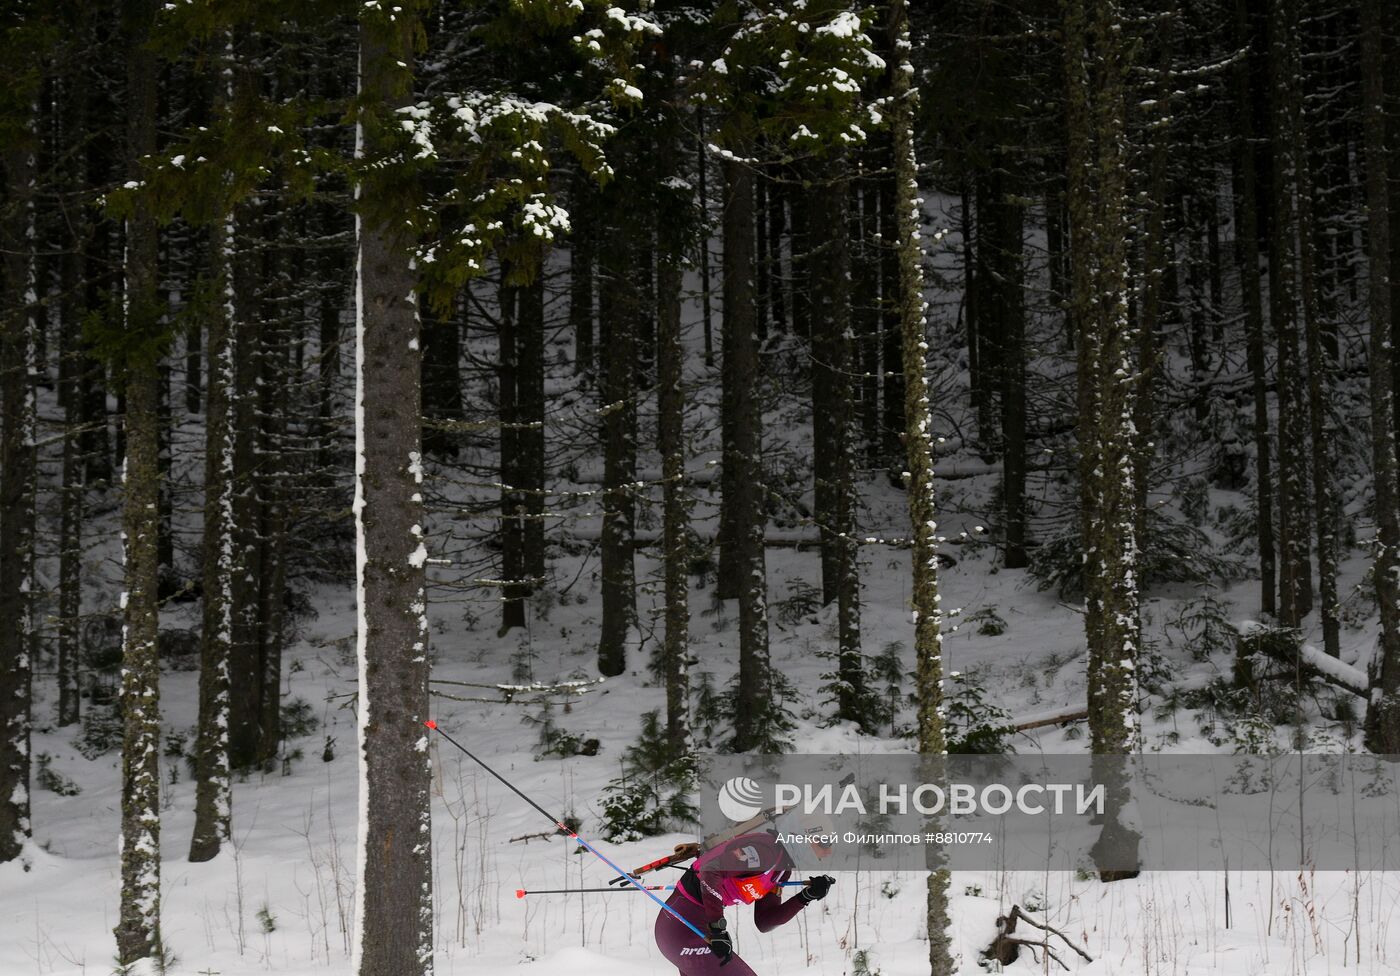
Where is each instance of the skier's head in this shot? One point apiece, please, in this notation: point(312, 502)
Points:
point(816, 831)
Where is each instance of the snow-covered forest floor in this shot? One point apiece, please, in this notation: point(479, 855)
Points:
point(283, 900)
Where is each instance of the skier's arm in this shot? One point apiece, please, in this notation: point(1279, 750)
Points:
point(770, 911)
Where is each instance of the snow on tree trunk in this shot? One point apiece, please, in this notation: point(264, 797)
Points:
point(394, 929)
point(1096, 111)
point(918, 448)
point(17, 501)
point(138, 928)
point(212, 809)
point(1383, 715)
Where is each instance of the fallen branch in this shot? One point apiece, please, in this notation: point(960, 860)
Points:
point(542, 835)
point(1006, 947)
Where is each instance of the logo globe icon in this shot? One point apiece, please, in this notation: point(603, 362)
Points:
point(740, 798)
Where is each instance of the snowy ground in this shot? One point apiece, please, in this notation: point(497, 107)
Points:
point(282, 900)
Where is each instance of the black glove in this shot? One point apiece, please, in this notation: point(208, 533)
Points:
point(721, 944)
point(816, 888)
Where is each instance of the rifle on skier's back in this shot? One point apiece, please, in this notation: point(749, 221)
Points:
point(692, 850)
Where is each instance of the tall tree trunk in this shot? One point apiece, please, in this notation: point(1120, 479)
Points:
point(865, 307)
point(18, 477)
point(70, 533)
point(1319, 394)
point(581, 260)
point(763, 277)
point(833, 434)
point(513, 590)
point(675, 508)
point(328, 363)
point(138, 928)
point(213, 788)
point(1383, 715)
point(1096, 110)
point(1254, 318)
point(1295, 577)
point(743, 459)
point(778, 279)
point(529, 394)
point(620, 308)
point(737, 301)
point(892, 328)
point(702, 190)
point(918, 445)
point(272, 488)
point(1003, 221)
point(394, 932)
point(826, 198)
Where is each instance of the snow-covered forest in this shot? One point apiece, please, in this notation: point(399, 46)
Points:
point(428, 428)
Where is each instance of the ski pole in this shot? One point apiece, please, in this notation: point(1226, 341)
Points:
point(571, 834)
point(522, 892)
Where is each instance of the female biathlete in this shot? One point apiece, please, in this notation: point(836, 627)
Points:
point(748, 870)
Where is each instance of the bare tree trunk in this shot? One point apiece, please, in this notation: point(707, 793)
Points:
point(138, 928)
point(865, 307)
point(703, 191)
point(743, 458)
point(394, 932)
point(1003, 222)
point(918, 444)
point(529, 394)
point(1254, 318)
point(1383, 715)
point(1295, 578)
point(777, 224)
point(675, 504)
point(245, 650)
point(513, 590)
point(892, 368)
point(581, 260)
point(1319, 394)
point(328, 365)
point(621, 304)
point(18, 478)
point(70, 533)
point(833, 431)
point(213, 787)
point(737, 300)
point(826, 198)
point(1096, 110)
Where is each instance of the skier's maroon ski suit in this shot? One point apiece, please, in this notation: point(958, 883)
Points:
point(746, 870)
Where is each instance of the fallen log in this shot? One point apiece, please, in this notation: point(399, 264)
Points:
point(1061, 716)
